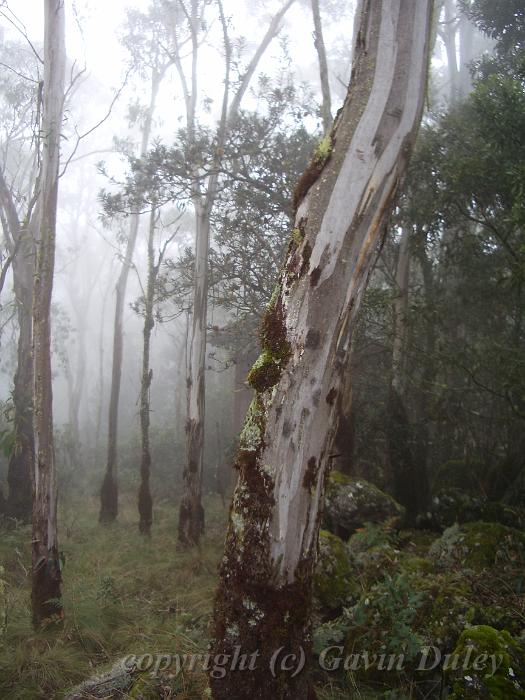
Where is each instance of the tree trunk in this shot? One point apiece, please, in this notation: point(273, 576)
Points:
point(449, 35)
point(263, 604)
point(191, 516)
point(46, 574)
point(399, 434)
point(326, 107)
point(145, 501)
point(20, 243)
point(109, 490)
point(344, 441)
point(19, 501)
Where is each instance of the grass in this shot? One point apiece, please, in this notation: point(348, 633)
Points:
point(122, 595)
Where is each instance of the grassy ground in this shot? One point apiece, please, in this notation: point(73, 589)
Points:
point(122, 595)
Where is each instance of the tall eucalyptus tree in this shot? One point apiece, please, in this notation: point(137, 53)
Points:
point(46, 569)
point(343, 201)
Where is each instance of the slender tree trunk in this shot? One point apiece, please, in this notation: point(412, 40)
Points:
point(46, 574)
point(191, 515)
point(449, 36)
point(20, 243)
point(344, 441)
point(326, 107)
point(466, 49)
point(19, 501)
point(109, 490)
point(406, 477)
point(145, 501)
point(263, 604)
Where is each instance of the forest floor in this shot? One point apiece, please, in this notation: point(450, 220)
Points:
point(123, 594)
point(127, 595)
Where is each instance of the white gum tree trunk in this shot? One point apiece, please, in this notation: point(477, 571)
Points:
point(191, 513)
point(46, 575)
point(343, 203)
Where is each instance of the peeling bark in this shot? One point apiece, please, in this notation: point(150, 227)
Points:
point(263, 603)
point(46, 570)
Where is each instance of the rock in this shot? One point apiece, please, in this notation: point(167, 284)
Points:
point(334, 580)
point(481, 679)
point(110, 685)
point(352, 502)
point(454, 505)
point(479, 546)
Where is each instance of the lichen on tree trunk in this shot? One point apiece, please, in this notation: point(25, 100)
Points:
point(264, 596)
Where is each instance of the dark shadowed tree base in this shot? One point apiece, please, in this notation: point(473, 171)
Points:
point(145, 509)
point(46, 589)
point(191, 522)
point(108, 499)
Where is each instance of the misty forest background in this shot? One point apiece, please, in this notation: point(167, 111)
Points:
point(423, 538)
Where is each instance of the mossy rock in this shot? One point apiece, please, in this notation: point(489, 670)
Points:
point(454, 505)
point(479, 546)
point(447, 606)
point(479, 681)
point(352, 502)
point(374, 553)
point(334, 581)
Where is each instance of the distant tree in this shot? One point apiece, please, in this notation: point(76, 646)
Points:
point(148, 41)
point(202, 178)
point(145, 504)
point(19, 181)
point(326, 105)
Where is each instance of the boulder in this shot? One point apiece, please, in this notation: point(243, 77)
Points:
point(334, 580)
point(479, 546)
point(352, 502)
point(491, 666)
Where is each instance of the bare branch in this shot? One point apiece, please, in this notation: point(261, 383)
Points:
point(80, 137)
point(20, 28)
